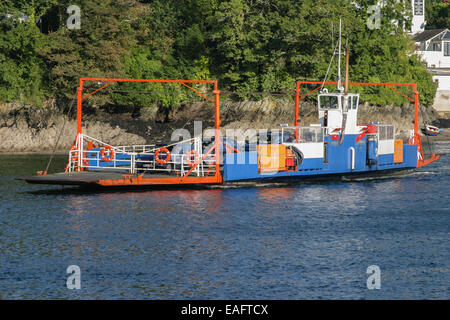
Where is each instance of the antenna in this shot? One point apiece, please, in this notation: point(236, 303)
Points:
point(339, 60)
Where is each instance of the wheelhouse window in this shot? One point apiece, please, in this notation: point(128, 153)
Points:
point(355, 102)
point(302, 135)
point(328, 102)
point(352, 102)
point(385, 132)
point(343, 98)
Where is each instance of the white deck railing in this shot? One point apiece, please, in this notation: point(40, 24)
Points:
point(136, 159)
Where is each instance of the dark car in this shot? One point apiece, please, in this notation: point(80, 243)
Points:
point(268, 137)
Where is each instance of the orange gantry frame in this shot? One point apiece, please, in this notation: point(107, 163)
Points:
point(217, 178)
point(421, 161)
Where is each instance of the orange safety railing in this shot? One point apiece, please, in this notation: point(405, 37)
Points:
point(110, 81)
point(421, 161)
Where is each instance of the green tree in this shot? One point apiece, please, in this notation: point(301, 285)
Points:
point(437, 14)
point(97, 49)
point(264, 45)
point(21, 67)
point(248, 45)
point(170, 44)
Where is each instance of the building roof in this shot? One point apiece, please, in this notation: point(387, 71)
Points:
point(428, 34)
point(446, 36)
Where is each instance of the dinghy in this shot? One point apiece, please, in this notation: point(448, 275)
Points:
point(431, 130)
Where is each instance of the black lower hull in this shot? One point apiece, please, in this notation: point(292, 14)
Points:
point(91, 186)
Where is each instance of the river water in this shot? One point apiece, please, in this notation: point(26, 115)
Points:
point(307, 241)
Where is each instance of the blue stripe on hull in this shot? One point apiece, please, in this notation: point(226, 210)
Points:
point(238, 166)
point(385, 159)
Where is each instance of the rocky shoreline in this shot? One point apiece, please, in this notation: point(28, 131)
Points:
point(31, 129)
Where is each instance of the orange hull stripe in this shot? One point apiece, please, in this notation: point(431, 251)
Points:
point(162, 181)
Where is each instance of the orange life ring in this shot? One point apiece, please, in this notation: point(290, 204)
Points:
point(111, 153)
point(188, 158)
point(158, 159)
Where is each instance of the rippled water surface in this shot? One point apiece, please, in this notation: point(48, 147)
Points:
point(308, 241)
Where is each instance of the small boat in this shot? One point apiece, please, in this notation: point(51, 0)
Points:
point(431, 130)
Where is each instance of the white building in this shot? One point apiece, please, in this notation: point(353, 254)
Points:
point(433, 46)
point(418, 16)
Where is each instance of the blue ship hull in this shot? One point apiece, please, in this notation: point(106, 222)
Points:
point(337, 162)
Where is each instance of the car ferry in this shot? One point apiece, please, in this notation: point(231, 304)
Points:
point(336, 146)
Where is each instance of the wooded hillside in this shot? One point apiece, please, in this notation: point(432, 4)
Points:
point(248, 45)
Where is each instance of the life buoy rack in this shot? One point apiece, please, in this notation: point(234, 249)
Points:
point(111, 153)
point(158, 159)
point(188, 158)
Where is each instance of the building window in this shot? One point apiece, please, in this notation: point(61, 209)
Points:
point(446, 48)
point(421, 46)
point(418, 7)
point(435, 46)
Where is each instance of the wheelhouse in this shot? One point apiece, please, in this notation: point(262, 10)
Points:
point(338, 110)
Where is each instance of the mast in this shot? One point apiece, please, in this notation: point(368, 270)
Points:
point(346, 70)
point(339, 87)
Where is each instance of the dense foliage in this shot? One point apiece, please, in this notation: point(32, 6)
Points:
point(248, 45)
point(437, 14)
